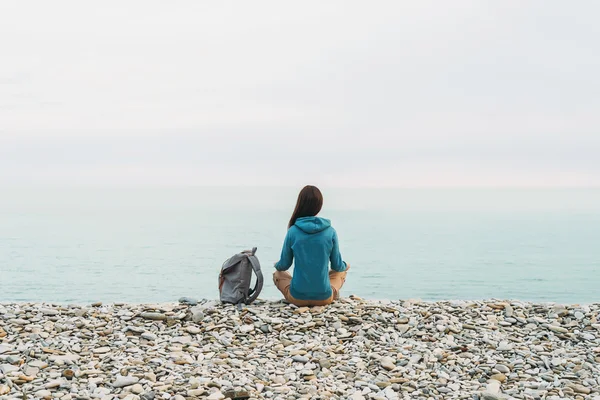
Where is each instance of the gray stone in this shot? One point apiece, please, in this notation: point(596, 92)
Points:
point(357, 396)
point(403, 328)
point(19, 321)
point(154, 316)
point(196, 392)
point(123, 381)
point(182, 339)
point(49, 311)
point(504, 346)
point(31, 371)
point(492, 396)
point(43, 393)
point(102, 350)
point(149, 336)
point(53, 384)
point(197, 314)
point(558, 329)
point(194, 330)
point(580, 388)
point(8, 368)
point(137, 389)
point(388, 363)
point(188, 301)
point(147, 396)
point(38, 364)
point(588, 336)
point(502, 368)
point(13, 359)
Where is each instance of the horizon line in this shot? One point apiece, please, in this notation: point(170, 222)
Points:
point(251, 186)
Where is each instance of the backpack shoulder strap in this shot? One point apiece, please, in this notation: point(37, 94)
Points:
point(253, 294)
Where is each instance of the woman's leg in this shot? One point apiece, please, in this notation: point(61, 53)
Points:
point(337, 280)
point(283, 281)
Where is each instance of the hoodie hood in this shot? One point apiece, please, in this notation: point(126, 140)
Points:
point(312, 224)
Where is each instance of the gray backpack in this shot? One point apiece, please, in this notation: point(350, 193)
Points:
point(236, 276)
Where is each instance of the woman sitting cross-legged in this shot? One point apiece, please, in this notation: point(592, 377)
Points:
point(311, 243)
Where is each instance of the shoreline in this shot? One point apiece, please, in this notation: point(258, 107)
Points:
point(354, 349)
point(278, 299)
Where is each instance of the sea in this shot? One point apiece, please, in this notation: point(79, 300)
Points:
point(157, 244)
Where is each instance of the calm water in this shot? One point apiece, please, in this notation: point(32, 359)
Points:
point(150, 245)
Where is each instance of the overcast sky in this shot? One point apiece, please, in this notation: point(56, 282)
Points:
point(339, 93)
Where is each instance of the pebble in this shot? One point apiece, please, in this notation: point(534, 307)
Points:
point(149, 336)
point(102, 350)
point(558, 329)
point(493, 387)
point(123, 381)
point(153, 316)
point(196, 392)
point(52, 384)
point(43, 393)
point(492, 396)
point(300, 359)
point(357, 396)
point(49, 311)
point(137, 389)
point(502, 368)
point(354, 349)
point(188, 301)
point(8, 368)
point(194, 330)
point(580, 388)
point(504, 346)
point(38, 364)
point(388, 363)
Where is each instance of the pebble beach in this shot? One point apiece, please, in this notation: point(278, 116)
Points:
point(354, 349)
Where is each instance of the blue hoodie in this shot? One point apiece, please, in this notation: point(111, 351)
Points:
point(313, 243)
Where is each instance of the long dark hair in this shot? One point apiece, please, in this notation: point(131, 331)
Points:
point(310, 201)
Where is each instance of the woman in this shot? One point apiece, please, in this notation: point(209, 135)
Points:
point(312, 244)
